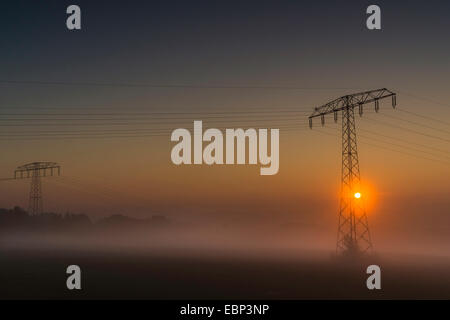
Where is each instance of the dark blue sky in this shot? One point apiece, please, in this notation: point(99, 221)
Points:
point(220, 41)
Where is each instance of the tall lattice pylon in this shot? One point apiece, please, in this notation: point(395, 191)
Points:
point(35, 171)
point(353, 228)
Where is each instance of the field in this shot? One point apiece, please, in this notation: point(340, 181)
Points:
point(189, 274)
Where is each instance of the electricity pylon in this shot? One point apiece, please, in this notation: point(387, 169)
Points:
point(353, 228)
point(35, 171)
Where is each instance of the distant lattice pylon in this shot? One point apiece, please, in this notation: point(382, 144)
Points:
point(35, 171)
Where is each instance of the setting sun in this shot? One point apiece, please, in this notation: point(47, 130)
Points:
point(357, 195)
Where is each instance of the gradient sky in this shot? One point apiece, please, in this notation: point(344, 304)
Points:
point(321, 48)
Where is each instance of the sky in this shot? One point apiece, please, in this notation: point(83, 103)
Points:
point(257, 64)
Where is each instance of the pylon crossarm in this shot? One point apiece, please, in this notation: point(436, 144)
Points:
point(37, 168)
point(352, 101)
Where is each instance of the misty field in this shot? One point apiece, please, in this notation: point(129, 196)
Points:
point(189, 274)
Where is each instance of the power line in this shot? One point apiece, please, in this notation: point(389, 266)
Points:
point(250, 122)
point(406, 141)
point(204, 113)
point(159, 109)
point(425, 99)
point(416, 123)
point(390, 149)
point(424, 117)
point(56, 132)
point(402, 146)
point(407, 129)
point(151, 119)
point(113, 135)
point(407, 153)
point(173, 86)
